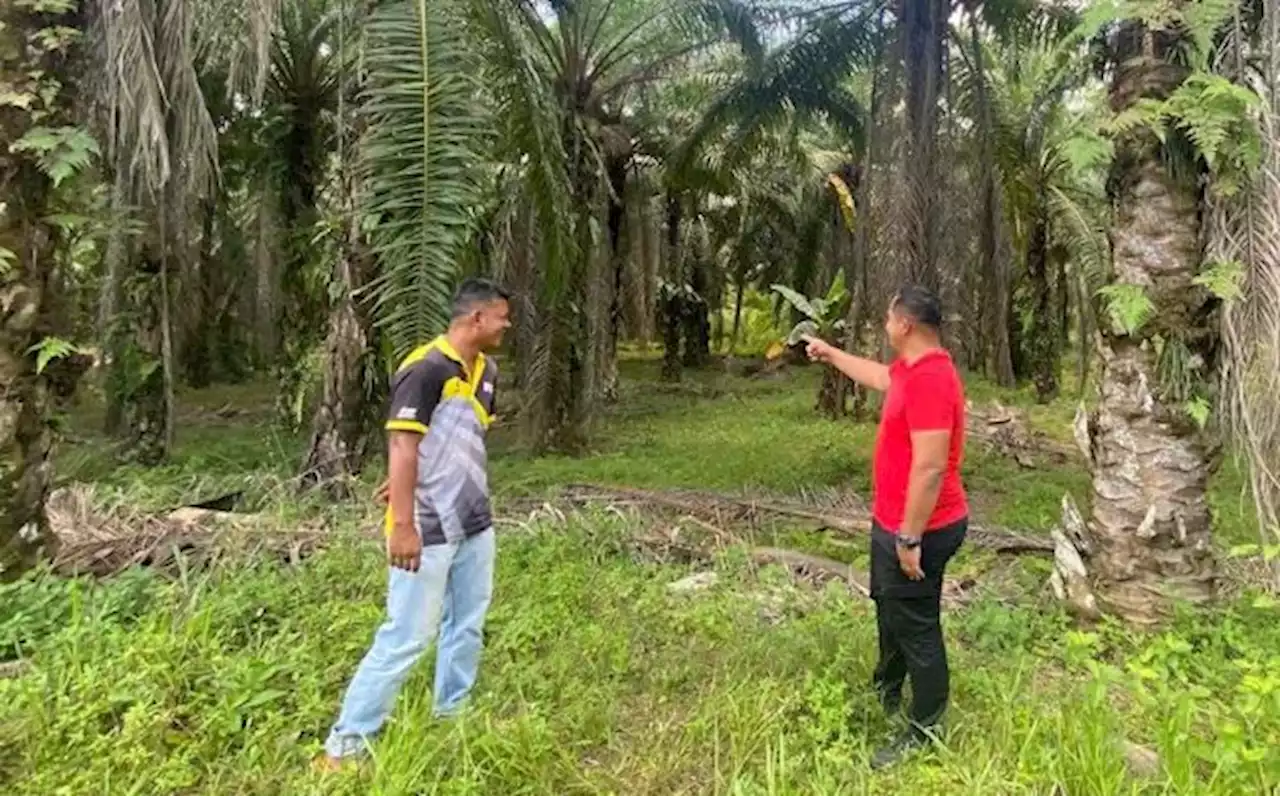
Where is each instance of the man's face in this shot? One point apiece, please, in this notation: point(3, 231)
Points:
point(896, 326)
point(490, 322)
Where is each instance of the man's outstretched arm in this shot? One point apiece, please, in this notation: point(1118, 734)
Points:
point(867, 372)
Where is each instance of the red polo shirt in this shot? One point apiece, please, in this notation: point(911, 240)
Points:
point(925, 395)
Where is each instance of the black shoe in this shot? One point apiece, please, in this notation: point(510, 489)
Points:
point(901, 747)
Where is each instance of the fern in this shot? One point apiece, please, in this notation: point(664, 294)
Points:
point(1128, 306)
point(1223, 279)
point(1198, 410)
point(1145, 112)
point(51, 348)
point(1217, 116)
point(1086, 152)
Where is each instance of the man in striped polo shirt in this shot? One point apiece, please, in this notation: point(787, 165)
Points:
point(440, 539)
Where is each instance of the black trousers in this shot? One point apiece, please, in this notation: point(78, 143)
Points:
point(909, 616)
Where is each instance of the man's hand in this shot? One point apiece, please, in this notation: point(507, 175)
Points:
point(817, 350)
point(404, 548)
point(868, 373)
point(909, 560)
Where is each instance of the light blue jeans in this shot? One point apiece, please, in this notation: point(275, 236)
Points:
point(450, 593)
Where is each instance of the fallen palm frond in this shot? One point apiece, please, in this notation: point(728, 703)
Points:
point(851, 518)
point(681, 526)
point(102, 542)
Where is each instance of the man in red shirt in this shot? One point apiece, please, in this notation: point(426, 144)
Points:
point(919, 513)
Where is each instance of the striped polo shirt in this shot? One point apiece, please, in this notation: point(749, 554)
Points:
point(450, 403)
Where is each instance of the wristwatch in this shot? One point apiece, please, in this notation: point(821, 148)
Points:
point(910, 543)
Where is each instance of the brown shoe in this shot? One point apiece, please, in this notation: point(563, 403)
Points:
point(326, 764)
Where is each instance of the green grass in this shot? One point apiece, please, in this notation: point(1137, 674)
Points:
point(596, 679)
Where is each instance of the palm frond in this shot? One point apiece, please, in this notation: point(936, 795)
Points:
point(424, 136)
point(1245, 229)
point(809, 75)
point(150, 105)
point(522, 83)
point(235, 36)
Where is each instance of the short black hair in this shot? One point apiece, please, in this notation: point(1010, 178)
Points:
point(920, 304)
point(476, 290)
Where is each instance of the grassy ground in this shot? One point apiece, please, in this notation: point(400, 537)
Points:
point(597, 679)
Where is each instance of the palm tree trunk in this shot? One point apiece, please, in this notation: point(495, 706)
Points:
point(618, 250)
point(738, 291)
point(140, 371)
point(566, 386)
point(344, 416)
point(303, 312)
point(857, 273)
point(925, 29)
point(1042, 348)
point(697, 324)
point(523, 286)
point(993, 323)
point(1150, 463)
point(671, 300)
point(200, 340)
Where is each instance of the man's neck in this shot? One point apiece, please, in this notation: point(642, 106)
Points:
point(915, 347)
point(466, 349)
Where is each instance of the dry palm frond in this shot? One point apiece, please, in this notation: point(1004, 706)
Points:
point(236, 35)
point(1245, 229)
point(98, 540)
point(157, 124)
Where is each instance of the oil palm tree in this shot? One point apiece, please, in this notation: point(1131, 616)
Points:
point(1150, 461)
point(298, 105)
point(562, 74)
point(1025, 90)
point(410, 136)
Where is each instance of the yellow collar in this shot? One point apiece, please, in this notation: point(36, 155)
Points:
point(448, 350)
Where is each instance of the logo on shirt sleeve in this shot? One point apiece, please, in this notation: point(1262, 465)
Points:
point(407, 413)
point(487, 387)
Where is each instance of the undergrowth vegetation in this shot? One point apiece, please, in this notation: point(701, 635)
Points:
point(598, 677)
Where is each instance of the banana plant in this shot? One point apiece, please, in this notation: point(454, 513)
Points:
point(823, 316)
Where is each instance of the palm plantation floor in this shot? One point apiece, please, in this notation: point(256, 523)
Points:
point(598, 677)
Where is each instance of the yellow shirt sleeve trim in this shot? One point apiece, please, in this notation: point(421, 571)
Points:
point(406, 425)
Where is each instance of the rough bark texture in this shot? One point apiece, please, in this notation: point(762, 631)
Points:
point(697, 323)
point(344, 417)
point(522, 282)
point(303, 315)
point(992, 312)
point(1150, 464)
point(563, 369)
point(27, 245)
point(671, 311)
